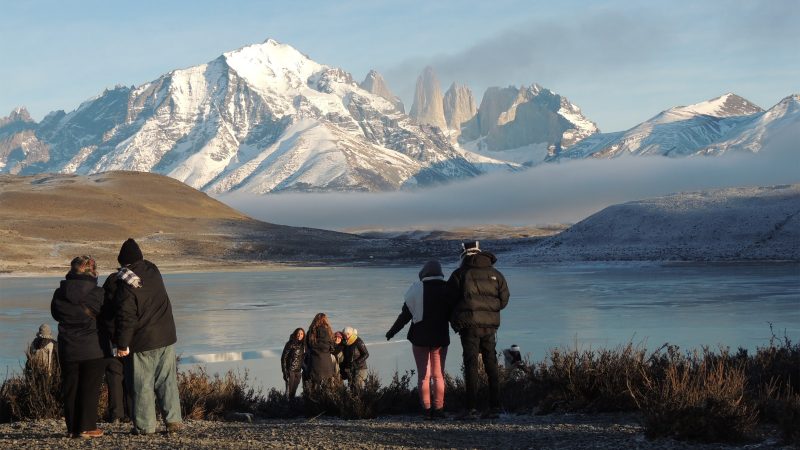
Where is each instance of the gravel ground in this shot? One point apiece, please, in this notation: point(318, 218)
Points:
point(599, 431)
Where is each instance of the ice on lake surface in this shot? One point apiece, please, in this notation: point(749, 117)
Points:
point(242, 320)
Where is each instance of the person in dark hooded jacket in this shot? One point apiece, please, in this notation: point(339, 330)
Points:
point(478, 292)
point(145, 329)
point(75, 306)
point(292, 361)
point(426, 306)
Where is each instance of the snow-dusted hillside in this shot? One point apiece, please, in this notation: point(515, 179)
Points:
point(760, 223)
point(259, 119)
point(679, 131)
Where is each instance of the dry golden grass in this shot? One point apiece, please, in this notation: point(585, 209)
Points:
point(46, 220)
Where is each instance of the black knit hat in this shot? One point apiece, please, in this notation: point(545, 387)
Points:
point(129, 253)
point(470, 248)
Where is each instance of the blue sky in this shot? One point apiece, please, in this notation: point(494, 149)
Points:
point(620, 61)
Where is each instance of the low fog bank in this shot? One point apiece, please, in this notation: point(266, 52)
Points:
point(550, 193)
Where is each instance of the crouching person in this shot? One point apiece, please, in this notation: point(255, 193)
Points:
point(145, 329)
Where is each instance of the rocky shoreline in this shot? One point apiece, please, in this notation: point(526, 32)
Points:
point(555, 431)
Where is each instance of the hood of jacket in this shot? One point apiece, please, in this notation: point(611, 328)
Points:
point(76, 287)
point(481, 259)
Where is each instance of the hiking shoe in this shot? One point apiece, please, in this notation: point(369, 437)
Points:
point(468, 414)
point(426, 414)
point(137, 432)
point(91, 434)
point(491, 413)
point(174, 427)
point(437, 414)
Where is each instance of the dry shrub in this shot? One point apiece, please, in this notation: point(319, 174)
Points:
point(277, 405)
point(333, 398)
point(696, 397)
point(587, 380)
point(790, 419)
point(213, 397)
point(35, 394)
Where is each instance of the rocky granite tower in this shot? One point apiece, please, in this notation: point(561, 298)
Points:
point(459, 106)
point(428, 104)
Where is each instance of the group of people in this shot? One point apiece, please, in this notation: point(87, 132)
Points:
point(319, 355)
point(125, 327)
point(125, 331)
point(470, 302)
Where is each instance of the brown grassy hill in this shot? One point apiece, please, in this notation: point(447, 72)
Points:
point(45, 220)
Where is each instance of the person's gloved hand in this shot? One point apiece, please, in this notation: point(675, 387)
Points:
point(388, 336)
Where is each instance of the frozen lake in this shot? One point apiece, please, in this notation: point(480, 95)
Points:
point(242, 320)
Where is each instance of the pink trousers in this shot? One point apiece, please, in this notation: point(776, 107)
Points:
point(430, 368)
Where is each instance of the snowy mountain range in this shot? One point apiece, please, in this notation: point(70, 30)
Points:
point(260, 119)
point(266, 118)
point(713, 127)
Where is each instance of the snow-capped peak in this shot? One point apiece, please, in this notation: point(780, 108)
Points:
point(271, 65)
point(727, 105)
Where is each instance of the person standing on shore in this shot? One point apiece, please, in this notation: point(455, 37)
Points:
point(119, 400)
point(145, 329)
point(355, 358)
point(478, 292)
point(338, 353)
point(319, 341)
point(43, 352)
point(427, 307)
point(75, 306)
point(292, 361)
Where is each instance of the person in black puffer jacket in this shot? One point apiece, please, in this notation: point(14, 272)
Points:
point(292, 361)
point(354, 365)
point(75, 306)
point(145, 329)
point(478, 292)
point(426, 306)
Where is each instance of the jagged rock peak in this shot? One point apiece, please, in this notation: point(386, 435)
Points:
point(428, 107)
point(376, 84)
point(459, 106)
point(727, 105)
point(18, 114)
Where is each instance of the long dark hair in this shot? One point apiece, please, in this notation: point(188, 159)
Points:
point(320, 321)
point(294, 333)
